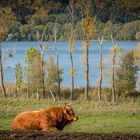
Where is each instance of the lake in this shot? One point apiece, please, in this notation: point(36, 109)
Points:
point(19, 49)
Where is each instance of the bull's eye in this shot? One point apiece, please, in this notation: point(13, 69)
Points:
point(69, 112)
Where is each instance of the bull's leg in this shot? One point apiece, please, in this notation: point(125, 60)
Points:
point(54, 129)
point(44, 127)
point(51, 129)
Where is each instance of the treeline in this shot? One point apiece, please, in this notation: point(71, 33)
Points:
point(118, 11)
point(28, 83)
point(127, 31)
point(120, 16)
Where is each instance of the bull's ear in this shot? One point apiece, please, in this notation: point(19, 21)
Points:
point(67, 105)
point(65, 110)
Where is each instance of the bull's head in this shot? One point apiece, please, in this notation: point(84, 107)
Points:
point(69, 113)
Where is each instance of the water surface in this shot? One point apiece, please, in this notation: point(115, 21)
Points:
point(19, 49)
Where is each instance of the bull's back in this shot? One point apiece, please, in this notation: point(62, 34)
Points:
point(25, 120)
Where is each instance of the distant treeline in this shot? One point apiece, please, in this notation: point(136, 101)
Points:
point(127, 31)
point(121, 16)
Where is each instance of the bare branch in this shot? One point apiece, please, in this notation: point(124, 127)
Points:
point(52, 96)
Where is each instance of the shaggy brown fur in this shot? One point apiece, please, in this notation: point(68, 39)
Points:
point(54, 118)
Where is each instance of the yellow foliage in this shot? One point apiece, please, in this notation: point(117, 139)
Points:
point(71, 47)
point(116, 50)
point(5, 18)
point(137, 51)
point(86, 44)
point(88, 26)
point(101, 65)
point(3, 30)
point(103, 74)
point(40, 14)
point(72, 71)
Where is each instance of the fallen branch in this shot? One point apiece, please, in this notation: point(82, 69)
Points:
point(52, 96)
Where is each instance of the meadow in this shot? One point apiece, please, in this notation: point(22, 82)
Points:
point(94, 117)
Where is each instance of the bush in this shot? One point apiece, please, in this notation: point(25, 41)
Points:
point(126, 74)
point(132, 93)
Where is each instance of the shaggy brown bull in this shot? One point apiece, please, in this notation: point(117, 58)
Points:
point(55, 118)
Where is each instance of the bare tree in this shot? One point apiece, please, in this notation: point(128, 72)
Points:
point(40, 38)
point(86, 50)
point(71, 46)
point(31, 53)
point(113, 69)
point(5, 18)
point(55, 31)
point(100, 40)
point(1, 71)
point(35, 75)
point(19, 78)
point(88, 27)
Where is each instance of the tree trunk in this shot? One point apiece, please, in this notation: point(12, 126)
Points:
point(71, 57)
point(100, 82)
point(72, 17)
point(52, 96)
point(101, 71)
point(42, 72)
point(1, 73)
point(55, 30)
point(86, 70)
point(58, 74)
point(37, 95)
point(28, 89)
point(40, 42)
point(16, 90)
point(113, 71)
point(113, 77)
point(72, 77)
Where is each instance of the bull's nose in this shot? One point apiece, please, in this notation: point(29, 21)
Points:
point(77, 118)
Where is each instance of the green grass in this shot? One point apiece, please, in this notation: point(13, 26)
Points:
point(107, 124)
point(94, 117)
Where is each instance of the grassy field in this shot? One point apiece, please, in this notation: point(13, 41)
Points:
point(94, 117)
